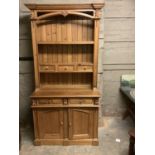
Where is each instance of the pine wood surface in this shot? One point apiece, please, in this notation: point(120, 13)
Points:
point(65, 50)
point(65, 93)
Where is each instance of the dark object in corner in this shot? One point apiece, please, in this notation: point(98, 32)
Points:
point(132, 142)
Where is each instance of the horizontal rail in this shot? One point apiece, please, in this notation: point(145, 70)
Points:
point(64, 13)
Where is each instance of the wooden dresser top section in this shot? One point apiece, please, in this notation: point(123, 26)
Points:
point(66, 93)
point(64, 6)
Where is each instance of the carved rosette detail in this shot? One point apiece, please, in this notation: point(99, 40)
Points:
point(34, 102)
point(65, 101)
point(64, 13)
point(98, 13)
point(96, 101)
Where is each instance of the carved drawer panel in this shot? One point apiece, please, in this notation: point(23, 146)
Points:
point(80, 101)
point(47, 68)
point(85, 68)
point(50, 101)
point(56, 101)
point(65, 68)
point(43, 101)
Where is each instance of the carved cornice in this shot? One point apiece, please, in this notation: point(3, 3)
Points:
point(64, 6)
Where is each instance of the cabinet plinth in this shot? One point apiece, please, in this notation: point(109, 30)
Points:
point(65, 102)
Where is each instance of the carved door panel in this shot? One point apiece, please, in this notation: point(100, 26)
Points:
point(80, 123)
point(50, 123)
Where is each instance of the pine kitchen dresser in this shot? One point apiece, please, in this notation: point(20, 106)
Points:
point(65, 102)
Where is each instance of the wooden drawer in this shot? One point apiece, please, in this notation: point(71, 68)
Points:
point(85, 68)
point(43, 101)
point(50, 101)
point(56, 101)
point(80, 101)
point(65, 68)
point(47, 68)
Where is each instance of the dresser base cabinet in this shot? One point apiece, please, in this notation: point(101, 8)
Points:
point(68, 125)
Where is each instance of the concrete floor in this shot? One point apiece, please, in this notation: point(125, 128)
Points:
point(111, 128)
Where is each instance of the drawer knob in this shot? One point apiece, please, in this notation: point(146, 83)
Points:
point(65, 101)
point(84, 68)
point(65, 68)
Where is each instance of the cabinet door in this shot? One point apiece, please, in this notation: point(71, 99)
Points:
point(50, 123)
point(80, 123)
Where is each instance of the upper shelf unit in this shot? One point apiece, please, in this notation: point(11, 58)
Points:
point(65, 45)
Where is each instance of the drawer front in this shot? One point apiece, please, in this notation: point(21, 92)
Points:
point(65, 68)
point(50, 101)
point(47, 68)
point(43, 101)
point(56, 101)
point(85, 68)
point(80, 101)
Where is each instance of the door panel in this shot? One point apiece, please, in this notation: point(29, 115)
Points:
point(80, 123)
point(50, 123)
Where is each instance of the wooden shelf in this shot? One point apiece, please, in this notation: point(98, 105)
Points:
point(44, 71)
point(66, 106)
point(65, 93)
point(66, 43)
point(76, 63)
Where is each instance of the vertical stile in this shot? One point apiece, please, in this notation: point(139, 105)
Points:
point(96, 34)
point(35, 50)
